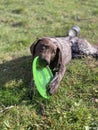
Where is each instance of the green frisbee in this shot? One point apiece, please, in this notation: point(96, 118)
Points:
point(42, 76)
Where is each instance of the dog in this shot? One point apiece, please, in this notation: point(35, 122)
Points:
point(57, 52)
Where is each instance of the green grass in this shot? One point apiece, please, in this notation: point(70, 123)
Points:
point(75, 105)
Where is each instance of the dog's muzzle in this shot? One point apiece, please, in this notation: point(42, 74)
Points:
point(46, 62)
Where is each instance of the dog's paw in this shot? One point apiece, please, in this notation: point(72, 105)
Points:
point(53, 86)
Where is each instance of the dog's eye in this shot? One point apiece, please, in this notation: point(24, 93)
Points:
point(42, 48)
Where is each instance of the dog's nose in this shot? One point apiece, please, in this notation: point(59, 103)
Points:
point(45, 61)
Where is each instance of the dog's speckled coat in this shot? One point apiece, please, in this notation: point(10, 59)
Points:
point(58, 51)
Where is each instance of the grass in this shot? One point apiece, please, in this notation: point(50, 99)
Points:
point(75, 105)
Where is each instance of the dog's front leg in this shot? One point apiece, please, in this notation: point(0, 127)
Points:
point(54, 84)
point(31, 88)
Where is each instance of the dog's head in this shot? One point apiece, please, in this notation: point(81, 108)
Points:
point(46, 50)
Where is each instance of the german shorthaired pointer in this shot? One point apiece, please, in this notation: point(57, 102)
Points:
point(58, 51)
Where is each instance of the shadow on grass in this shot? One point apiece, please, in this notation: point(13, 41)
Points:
point(15, 77)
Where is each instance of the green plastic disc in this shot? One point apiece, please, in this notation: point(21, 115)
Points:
point(42, 76)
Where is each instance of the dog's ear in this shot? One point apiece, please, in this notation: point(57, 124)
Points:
point(32, 47)
point(59, 55)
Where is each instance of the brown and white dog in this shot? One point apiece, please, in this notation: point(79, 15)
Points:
point(57, 53)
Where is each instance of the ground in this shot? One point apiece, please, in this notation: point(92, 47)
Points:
point(75, 105)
